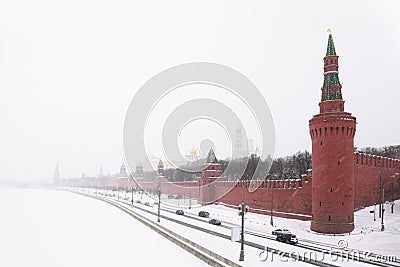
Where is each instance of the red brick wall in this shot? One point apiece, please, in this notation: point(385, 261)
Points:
point(290, 196)
point(367, 170)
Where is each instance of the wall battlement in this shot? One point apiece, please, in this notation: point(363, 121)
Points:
point(376, 161)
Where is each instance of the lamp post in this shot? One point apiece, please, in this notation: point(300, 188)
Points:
point(272, 202)
point(272, 205)
point(380, 196)
point(383, 210)
point(159, 204)
point(392, 205)
point(241, 257)
point(132, 196)
point(190, 200)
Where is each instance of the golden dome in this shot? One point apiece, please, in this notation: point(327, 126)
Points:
point(238, 128)
point(193, 151)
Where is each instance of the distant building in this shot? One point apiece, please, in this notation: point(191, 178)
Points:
point(139, 170)
point(192, 156)
point(56, 176)
point(240, 148)
point(101, 174)
point(122, 171)
point(250, 146)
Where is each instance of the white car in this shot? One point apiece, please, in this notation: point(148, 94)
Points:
point(280, 231)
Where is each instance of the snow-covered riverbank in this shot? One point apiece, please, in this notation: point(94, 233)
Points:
point(40, 227)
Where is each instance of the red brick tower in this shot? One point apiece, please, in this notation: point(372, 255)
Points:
point(332, 133)
point(160, 174)
point(211, 172)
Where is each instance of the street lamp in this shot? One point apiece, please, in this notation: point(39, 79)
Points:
point(383, 210)
point(132, 196)
point(374, 211)
point(380, 196)
point(190, 200)
point(242, 211)
point(272, 205)
point(159, 203)
point(392, 205)
point(272, 200)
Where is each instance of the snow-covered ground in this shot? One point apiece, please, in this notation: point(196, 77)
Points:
point(58, 228)
point(384, 243)
point(367, 235)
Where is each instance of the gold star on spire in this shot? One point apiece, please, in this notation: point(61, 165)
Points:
point(329, 31)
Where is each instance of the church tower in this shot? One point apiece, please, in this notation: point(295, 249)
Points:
point(56, 176)
point(332, 133)
point(160, 169)
point(240, 149)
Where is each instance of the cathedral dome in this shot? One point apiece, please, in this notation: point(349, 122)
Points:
point(193, 151)
point(238, 128)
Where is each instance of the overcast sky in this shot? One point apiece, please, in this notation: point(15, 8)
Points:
point(69, 69)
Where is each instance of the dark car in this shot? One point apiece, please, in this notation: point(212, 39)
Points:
point(147, 204)
point(287, 238)
point(204, 214)
point(280, 231)
point(179, 212)
point(215, 222)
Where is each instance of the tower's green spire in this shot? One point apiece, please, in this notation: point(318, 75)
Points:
point(330, 51)
point(331, 89)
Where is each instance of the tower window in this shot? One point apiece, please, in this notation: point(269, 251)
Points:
point(320, 203)
point(348, 217)
point(338, 163)
point(329, 217)
point(342, 203)
point(331, 189)
point(321, 143)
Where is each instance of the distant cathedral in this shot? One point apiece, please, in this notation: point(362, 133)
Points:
point(243, 147)
point(193, 155)
point(240, 148)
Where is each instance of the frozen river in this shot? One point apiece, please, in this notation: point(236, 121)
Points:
point(40, 227)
